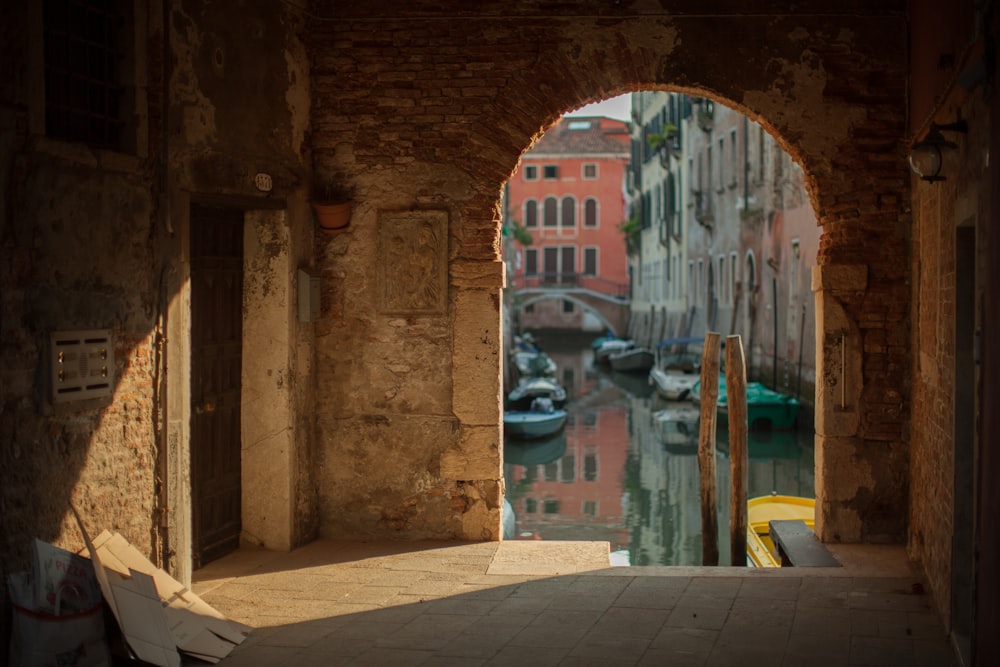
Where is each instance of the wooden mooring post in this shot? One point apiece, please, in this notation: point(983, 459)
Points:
point(706, 450)
point(736, 402)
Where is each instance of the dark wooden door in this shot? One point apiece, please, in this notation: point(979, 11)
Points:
point(216, 367)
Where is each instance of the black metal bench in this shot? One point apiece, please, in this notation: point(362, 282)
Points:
point(798, 546)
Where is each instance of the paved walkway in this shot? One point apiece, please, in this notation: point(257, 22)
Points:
point(560, 603)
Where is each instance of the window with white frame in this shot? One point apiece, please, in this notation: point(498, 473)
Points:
point(568, 212)
point(590, 171)
point(531, 172)
point(590, 212)
point(530, 213)
point(550, 212)
point(530, 261)
point(550, 172)
point(590, 261)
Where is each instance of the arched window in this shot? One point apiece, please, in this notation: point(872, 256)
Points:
point(530, 213)
point(568, 212)
point(551, 212)
point(590, 212)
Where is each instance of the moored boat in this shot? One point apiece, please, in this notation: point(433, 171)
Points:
point(530, 388)
point(674, 373)
point(766, 409)
point(632, 360)
point(609, 347)
point(541, 420)
point(534, 364)
point(764, 509)
point(672, 385)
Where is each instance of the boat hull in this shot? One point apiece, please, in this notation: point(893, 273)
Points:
point(634, 360)
point(521, 397)
point(603, 353)
point(766, 409)
point(764, 509)
point(672, 386)
point(530, 424)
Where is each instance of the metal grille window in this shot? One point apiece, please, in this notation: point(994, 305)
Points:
point(85, 56)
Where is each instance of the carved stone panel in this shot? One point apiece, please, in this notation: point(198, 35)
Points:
point(413, 266)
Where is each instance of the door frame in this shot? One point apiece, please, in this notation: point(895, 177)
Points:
point(271, 439)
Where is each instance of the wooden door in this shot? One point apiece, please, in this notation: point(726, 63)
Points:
point(216, 368)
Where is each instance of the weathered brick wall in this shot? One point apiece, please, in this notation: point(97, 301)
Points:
point(940, 208)
point(101, 459)
point(419, 107)
point(87, 241)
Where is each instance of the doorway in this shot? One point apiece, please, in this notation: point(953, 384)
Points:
point(962, 543)
point(216, 386)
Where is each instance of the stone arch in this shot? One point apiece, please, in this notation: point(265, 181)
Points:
point(833, 93)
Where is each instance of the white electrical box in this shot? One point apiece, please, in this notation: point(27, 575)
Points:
point(83, 365)
point(309, 297)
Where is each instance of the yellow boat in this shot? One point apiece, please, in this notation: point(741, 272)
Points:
point(762, 510)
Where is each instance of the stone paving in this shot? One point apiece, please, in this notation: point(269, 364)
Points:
point(560, 603)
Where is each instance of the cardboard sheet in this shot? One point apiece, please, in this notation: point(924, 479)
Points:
point(184, 621)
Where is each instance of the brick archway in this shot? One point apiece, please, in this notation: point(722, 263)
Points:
point(430, 109)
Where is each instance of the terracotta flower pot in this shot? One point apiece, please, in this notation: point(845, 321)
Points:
point(333, 217)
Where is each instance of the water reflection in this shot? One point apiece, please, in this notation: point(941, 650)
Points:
point(611, 475)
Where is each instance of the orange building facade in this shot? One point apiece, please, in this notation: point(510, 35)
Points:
point(569, 195)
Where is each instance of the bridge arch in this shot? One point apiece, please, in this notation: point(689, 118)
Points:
point(613, 315)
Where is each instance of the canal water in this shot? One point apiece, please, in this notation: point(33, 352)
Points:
point(609, 476)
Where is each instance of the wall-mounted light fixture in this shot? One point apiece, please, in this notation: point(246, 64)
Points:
point(926, 155)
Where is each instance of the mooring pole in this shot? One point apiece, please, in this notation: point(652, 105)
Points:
point(706, 449)
point(736, 401)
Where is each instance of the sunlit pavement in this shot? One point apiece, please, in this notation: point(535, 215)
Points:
point(559, 603)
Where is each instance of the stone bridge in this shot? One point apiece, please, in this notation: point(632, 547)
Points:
point(606, 301)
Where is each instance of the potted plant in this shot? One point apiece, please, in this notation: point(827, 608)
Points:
point(332, 205)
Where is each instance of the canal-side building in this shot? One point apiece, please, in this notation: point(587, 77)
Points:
point(657, 247)
point(726, 237)
point(568, 195)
